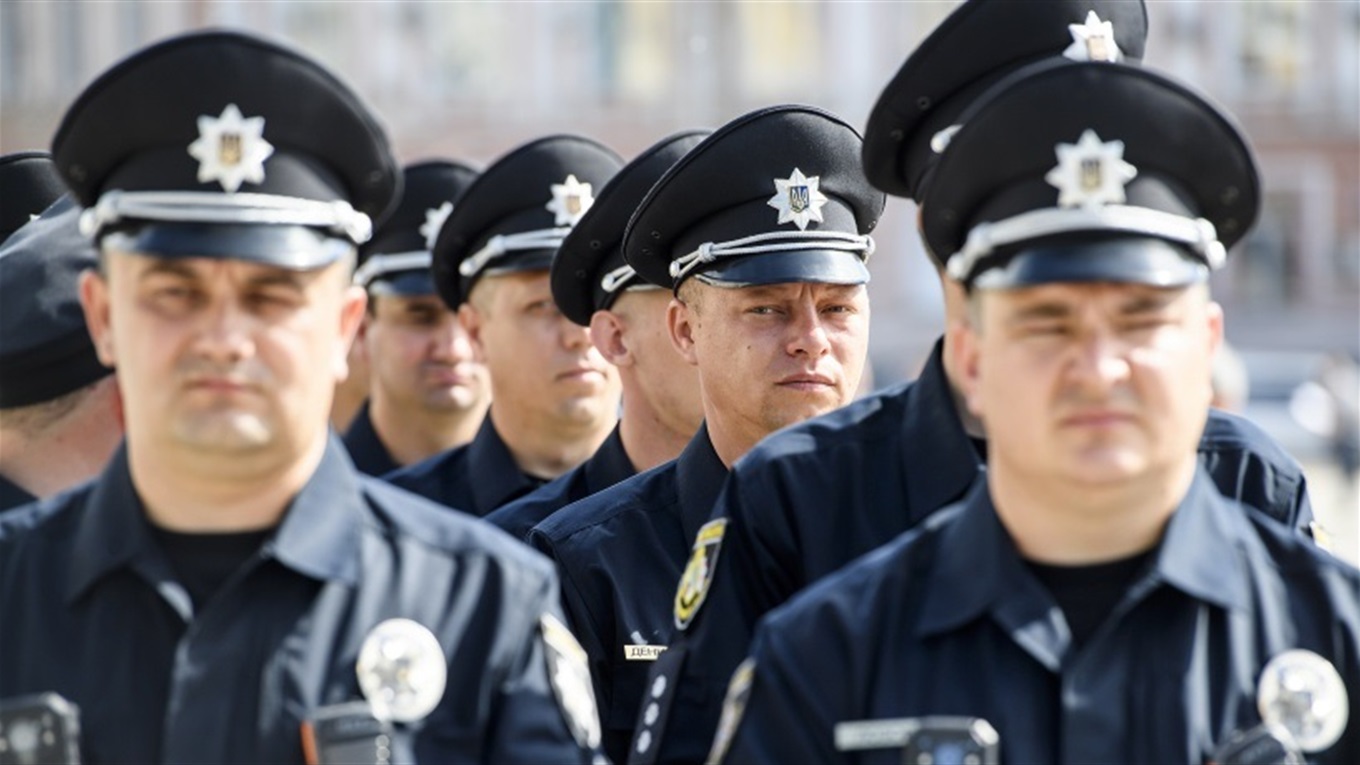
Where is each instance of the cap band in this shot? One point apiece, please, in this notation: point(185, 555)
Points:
point(985, 238)
point(378, 265)
point(337, 217)
point(496, 246)
point(774, 241)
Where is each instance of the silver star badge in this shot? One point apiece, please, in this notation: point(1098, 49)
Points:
point(797, 199)
point(434, 220)
point(1093, 41)
point(402, 671)
point(571, 199)
point(1090, 173)
point(230, 149)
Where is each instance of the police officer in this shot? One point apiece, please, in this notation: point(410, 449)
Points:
point(762, 231)
point(888, 461)
point(593, 287)
point(554, 398)
point(427, 393)
point(59, 410)
point(1094, 598)
point(230, 586)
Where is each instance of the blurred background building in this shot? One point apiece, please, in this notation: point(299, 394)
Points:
point(471, 80)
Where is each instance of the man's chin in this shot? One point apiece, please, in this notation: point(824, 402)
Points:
point(238, 434)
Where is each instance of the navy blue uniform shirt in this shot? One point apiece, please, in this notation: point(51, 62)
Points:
point(477, 477)
point(92, 612)
point(11, 496)
point(619, 554)
point(366, 449)
point(815, 496)
point(949, 620)
point(606, 467)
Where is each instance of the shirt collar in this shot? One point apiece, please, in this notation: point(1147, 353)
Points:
point(318, 536)
point(112, 531)
point(11, 496)
point(1204, 549)
point(699, 476)
point(935, 447)
point(319, 533)
point(366, 449)
point(609, 465)
point(978, 569)
point(493, 474)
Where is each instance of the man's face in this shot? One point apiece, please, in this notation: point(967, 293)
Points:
point(773, 355)
point(1091, 384)
point(420, 357)
point(222, 356)
point(541, 364)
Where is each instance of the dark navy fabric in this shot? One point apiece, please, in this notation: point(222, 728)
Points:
point(92, 612)
point(477, 477)
point(619, 555)
point(608, 466)
point(948, 620)
point(366, 449)
point(11, 496)
point(813, 497)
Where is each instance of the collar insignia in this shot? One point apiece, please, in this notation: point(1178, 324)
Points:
point(231, 149)
point(1090, 173)
point(798, 199)
point(571, 199)
point(434, 220)
point(1093, 41)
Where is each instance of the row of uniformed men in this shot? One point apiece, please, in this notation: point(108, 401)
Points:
point(1075, 205)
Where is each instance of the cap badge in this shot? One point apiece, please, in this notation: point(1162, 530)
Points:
point(1090, 172)
point(571, 199)
point(402, 671)
point(1093, 41)
point(434, 220)
point(230, 149)
point(1301, 692)
point(798, 199)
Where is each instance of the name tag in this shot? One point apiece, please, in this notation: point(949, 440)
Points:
point(859, 735)
point(643, 652)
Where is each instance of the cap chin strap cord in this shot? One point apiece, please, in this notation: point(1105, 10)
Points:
point(337, 217)
point(986, 238)
point(387, 263)
point(618, 278)
point(774, 241)
point(496, 246)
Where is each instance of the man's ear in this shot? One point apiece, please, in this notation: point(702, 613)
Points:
point(680, 322)
point(1214, 314)
point(608, 333)
point(962, 343)
point(473, 322)
point(353, 306)
point(94, 299)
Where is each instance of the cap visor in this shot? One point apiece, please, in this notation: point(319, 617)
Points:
point(403, 283)
point(1126, 260)
point(816, 266)
point(293, 247)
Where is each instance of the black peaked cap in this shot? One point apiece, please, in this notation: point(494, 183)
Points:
point(581, 271)
point(45, 349)
point(29, 184)
point(791, 162)
point(535, 193)
point(233, 115)
point(1145, 156)
point(430, 190)
point(975, 46)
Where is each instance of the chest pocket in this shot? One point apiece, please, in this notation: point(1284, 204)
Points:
point(626, 705)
